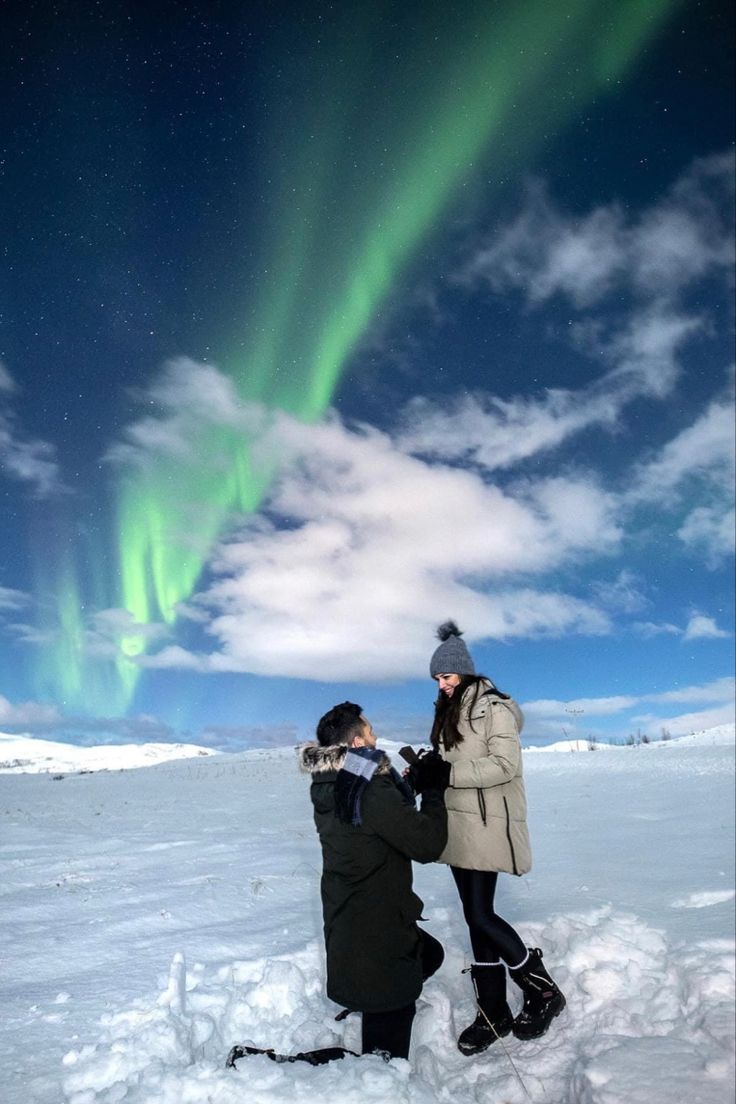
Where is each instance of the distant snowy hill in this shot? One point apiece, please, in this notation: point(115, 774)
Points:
point(720, 736)
point(27, 755)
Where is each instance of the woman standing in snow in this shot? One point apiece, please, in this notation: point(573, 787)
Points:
point(476, 732)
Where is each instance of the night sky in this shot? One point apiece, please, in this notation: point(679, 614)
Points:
point(322, 323)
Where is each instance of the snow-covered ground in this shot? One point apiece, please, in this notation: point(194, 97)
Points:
point(26, 755)
point(152, 918)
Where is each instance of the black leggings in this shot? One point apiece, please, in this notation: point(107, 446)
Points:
point(491, 937)
point(390, 1032)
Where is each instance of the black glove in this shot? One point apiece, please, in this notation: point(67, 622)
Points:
point(430, 772)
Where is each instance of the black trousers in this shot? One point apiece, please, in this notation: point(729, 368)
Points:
point(491, 937)
point(390, 1032)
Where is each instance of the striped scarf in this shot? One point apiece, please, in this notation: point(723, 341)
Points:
point(358, 768)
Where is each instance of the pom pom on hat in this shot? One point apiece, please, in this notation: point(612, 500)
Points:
point(452, 656)
point(446, 630)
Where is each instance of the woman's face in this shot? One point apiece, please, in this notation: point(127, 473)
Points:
point(447, 683)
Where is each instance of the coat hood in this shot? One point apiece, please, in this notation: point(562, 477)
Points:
point(491, 692)
point(313, 758)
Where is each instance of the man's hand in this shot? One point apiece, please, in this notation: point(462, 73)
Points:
point(430, 772)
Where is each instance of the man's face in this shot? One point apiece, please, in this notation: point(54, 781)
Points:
point(367, 737)
point(447, 683)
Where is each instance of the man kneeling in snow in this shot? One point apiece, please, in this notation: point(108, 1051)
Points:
point(370, 830)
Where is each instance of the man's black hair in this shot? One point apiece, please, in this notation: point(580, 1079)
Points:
point(340, 725)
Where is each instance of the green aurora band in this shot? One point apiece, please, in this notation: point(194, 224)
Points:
point(368, 165)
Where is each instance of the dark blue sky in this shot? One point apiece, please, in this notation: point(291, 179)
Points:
point(321, 324)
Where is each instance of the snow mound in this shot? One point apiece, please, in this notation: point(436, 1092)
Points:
point(640, 1013)
point(719, 736)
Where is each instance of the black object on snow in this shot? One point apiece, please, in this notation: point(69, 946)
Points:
point(313, 1057)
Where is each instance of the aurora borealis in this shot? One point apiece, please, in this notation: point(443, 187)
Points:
point(427, 135)
point(279, 185)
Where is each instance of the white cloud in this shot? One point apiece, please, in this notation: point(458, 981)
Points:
point(186, 401)
point(7, 383)
point(32, 717)
point(27, 460)
point(360, 530)
point(109, 628)
point(645, 352)
point(652, 628)
point(684, 237)
point(103, 636)
point(690, 234)
point(26, 713)
point(710, 531)
point(704, 450)
point(497, 433)
point(190, 612)
point(719, 690)
point(32, 634)
point(363, 635)
point(173, 656)
point(698, 627)
point(545, 253)
point(13, 599)
point(624, 594)
point(696, 466)
point(684, 723)
point(32, 462)
point(596, 707)
point(637, 337)
point(703, 628)
point(360, 545)
point(551, 716)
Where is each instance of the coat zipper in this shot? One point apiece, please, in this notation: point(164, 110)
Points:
point(508, 836)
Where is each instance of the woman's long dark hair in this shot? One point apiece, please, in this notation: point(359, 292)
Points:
point(447, 710)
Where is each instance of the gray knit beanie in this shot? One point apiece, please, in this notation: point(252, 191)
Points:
point(452, 657)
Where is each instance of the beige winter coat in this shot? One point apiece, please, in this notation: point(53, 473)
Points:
point(486, 801)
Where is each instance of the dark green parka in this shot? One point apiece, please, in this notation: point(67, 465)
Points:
point(370, 910)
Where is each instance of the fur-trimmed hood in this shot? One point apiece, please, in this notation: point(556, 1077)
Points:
point(313, 759)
